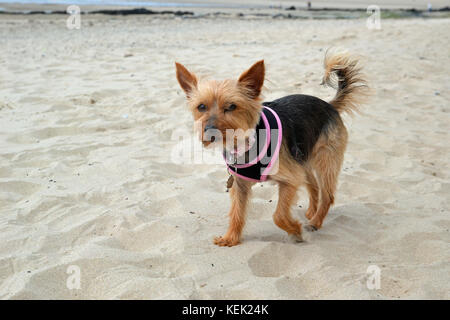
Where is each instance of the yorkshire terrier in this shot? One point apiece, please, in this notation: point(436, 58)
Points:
point(295, 140)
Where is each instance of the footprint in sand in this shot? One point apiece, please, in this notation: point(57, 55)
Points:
point(151, 236)
point(277, 259)
point(14, 191)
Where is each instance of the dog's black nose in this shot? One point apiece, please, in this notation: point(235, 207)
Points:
point(210, 132)
point(209, 126)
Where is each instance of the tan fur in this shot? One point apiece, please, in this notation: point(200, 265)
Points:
point(326, 160)
point(240, 194)
point(319, 174)
point(217, 95)
point(342, 72)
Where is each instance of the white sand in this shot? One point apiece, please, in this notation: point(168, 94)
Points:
point(86, 177)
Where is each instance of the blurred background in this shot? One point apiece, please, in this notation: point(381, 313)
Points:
point(386, 4)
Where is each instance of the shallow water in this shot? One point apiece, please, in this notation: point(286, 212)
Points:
point(130, 3)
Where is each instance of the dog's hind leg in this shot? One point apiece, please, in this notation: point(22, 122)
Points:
point(313, 190)
point(327, 161)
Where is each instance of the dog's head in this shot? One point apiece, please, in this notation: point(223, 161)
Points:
point(221, 106)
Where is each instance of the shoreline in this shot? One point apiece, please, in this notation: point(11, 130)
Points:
point(283, 13)
point(235, 4)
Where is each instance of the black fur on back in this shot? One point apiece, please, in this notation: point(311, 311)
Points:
point(303, 119)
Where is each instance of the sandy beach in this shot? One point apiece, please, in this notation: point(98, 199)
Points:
point(89, 122)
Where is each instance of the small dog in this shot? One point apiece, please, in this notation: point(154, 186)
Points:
point(309, 148)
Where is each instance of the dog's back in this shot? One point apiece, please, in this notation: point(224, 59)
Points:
point(303, 118)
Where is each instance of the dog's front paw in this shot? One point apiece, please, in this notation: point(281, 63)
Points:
point(226, 241)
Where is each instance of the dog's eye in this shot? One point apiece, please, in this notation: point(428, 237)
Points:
point(201, 108)
point(231, 107)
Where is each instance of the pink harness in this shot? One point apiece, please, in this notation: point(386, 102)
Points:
point(266, 148)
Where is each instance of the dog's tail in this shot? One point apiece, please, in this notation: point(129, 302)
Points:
point(343, 72)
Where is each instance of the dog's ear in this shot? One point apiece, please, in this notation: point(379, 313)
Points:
point(186, 79)
point(253, 79)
